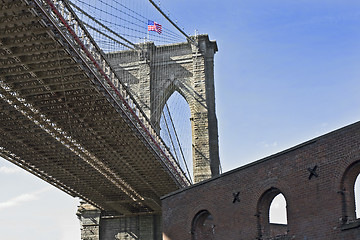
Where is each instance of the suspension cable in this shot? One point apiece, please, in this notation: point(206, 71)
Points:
point(174, 24)
point(110, 27)
point(102, 25)
point(105, 35)
point(145, 18)
point(171, 140)
point(178, 141)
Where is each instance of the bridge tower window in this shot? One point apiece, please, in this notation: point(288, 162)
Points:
point(272, 215)
point(203, 227)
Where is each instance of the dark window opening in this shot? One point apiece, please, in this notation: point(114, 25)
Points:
point(203, 227)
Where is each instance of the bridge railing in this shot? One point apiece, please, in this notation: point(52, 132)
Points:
point(76, 35)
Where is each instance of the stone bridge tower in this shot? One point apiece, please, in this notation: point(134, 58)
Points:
point(155, 73)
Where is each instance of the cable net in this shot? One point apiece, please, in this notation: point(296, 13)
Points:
point(176, 131)
point(123, 30)
point(110, 22)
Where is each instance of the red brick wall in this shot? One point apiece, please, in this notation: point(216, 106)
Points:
point(320, 207)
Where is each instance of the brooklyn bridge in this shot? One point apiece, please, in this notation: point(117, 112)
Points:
point(90, 95)
point(81, 108)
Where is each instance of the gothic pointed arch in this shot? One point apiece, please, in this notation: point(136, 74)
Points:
point(176, 131)
point(163, 96)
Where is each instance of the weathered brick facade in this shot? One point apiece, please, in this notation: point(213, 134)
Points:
point(316, 178)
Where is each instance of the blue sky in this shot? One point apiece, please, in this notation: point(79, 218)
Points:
point(286, 72)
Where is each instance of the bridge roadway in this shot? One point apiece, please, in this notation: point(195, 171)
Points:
point(63, 120)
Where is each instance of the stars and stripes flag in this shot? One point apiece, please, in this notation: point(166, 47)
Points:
point(154, 26)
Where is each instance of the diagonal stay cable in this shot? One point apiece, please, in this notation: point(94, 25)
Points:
point(178, 141)
point(108, 13)
point(104, 34)
point(174, 24)
point(171, 140)
point(122, 5)
point(165, 30)
point(102, 25)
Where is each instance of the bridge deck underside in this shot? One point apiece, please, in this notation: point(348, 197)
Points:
point(57, 123)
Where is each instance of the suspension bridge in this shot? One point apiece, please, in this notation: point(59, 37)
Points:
point(83, 88)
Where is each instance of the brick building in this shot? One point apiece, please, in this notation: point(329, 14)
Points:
point(316, 178)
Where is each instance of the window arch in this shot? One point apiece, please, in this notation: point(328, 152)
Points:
point(349, 201)
point(274, 228)
point(357, 196)
point(203, 227)
point(277, 210)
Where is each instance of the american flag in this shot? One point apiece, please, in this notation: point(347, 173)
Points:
point(154, 26)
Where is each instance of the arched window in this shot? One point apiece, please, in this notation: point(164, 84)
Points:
point(277, 212)
point(175, 130)
point(272, 214)
point(203, 227)
point(350, 191)
point(357, 196)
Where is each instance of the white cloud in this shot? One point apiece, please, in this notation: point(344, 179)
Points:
point(9, 170)
point(324, 124)
point(267, 145)
point(27, 197)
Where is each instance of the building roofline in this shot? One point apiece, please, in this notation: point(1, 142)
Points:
point(265, 159)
